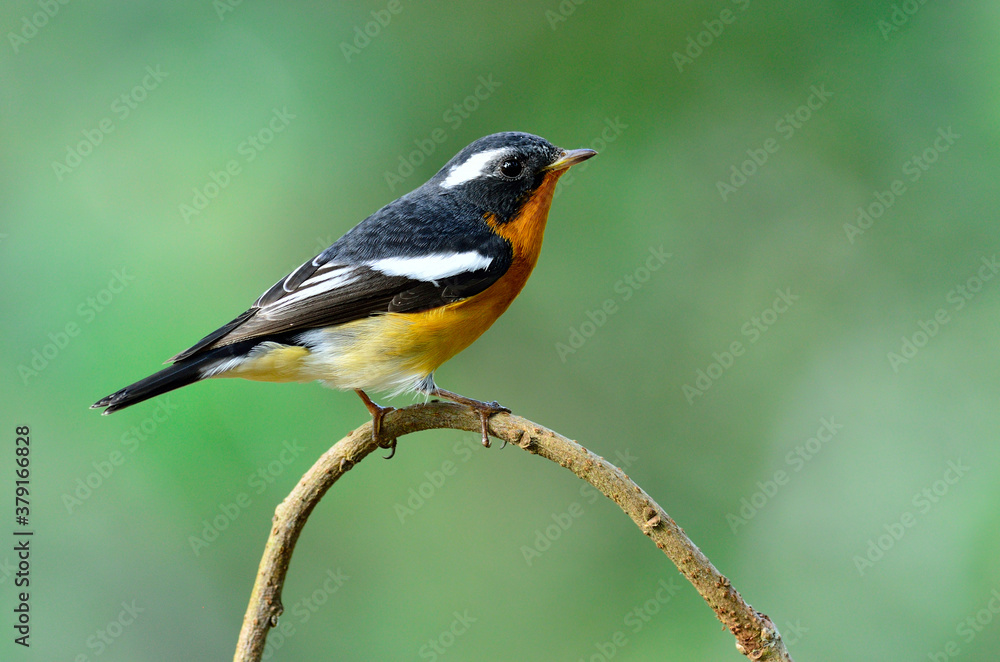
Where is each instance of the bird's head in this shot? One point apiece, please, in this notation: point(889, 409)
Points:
point(500, 172)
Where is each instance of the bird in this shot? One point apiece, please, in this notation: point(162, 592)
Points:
point(403, 291)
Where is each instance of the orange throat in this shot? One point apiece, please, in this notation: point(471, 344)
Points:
point(525, 231)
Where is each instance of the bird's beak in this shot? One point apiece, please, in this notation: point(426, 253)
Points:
point(571, 157)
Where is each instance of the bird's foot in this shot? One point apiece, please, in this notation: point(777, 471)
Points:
point(484, 409)
point(378, 413)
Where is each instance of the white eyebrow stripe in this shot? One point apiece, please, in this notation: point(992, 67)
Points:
point(471, 168)
point(431, 268)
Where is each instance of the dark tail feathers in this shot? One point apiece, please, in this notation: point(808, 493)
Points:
point(180, 374)
point(176, 376)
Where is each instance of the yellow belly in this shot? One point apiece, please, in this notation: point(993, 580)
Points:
point(391, 353)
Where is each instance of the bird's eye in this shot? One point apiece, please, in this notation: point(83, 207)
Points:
point(511, 168)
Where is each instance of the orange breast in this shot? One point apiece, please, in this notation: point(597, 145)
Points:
point(443, 332)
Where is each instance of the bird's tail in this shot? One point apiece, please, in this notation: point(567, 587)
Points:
point(179, 374)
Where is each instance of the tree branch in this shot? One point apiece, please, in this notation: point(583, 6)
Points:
point(756, 636)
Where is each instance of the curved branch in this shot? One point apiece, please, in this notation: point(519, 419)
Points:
point(756, 636)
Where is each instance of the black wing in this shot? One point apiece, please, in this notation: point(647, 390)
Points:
point(371, 270)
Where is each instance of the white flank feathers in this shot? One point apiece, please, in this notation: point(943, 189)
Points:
point(222, 366)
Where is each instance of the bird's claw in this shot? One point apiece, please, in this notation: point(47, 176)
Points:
point(485, 411)
point(377, 431)
point(390, 444)
point(378, 413)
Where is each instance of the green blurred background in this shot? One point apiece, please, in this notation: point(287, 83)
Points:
point(835, 540)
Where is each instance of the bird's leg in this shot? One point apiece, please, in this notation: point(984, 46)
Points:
point(378, 413)
point(484, 409)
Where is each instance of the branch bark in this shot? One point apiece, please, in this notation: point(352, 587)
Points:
point(756, 636)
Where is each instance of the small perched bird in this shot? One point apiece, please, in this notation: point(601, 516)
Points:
point(401, 293)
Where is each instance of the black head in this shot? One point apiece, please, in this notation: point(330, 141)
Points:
point(499, 172)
